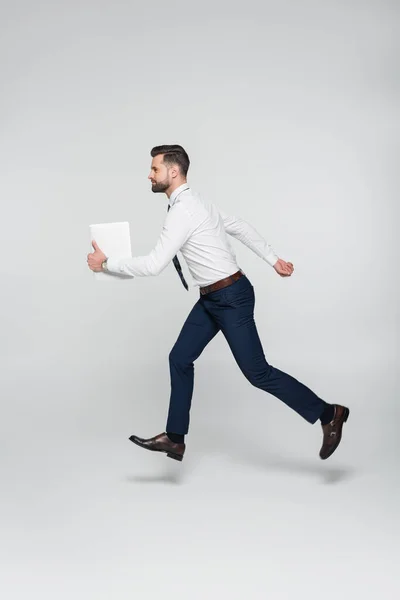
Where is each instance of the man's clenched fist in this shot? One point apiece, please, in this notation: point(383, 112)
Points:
point(283, 268)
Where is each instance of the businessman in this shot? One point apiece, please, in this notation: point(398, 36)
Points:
point(199, 230)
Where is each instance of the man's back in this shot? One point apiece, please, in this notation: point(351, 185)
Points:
point(207, 251)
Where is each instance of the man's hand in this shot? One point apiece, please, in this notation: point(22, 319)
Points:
point(96, 258)
point(283, 268)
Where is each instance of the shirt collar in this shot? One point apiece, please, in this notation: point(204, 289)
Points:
point(176, 193)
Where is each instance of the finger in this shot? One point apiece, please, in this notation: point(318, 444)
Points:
point(95, 246)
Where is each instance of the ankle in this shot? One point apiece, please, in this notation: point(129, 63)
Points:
point(177, 438)
point(328, 414)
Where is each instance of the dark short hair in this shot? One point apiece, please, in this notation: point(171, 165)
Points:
point(173, 155)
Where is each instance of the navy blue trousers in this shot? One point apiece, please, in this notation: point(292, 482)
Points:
point(230, 310)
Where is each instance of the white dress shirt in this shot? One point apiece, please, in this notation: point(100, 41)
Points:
point(198, 230)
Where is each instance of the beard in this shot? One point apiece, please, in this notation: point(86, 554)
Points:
point(160, 186)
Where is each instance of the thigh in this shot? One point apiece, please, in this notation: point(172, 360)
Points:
point(198, 330)
point(235, 315)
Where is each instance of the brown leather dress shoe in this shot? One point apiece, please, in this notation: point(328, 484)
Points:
point(333, 431)
point(161, 443)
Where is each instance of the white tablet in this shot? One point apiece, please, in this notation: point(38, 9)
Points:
point(114, 240)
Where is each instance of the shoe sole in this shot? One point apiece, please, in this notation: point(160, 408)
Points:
point(345, 417)
point(175, 456)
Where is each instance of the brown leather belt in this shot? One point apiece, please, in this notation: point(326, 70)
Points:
point(222, 283)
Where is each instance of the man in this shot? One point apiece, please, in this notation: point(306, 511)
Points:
point(226, 303)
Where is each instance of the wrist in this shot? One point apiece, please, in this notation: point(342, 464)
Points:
point(104, 264)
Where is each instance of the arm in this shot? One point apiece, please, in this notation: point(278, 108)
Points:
point(245, 233)
point(174, 234)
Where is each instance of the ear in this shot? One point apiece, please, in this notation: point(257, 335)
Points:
point(174, 172)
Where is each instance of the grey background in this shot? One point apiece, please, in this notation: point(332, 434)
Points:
point(289, 112)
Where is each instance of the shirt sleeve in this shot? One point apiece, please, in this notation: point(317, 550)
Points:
point(175, 232)
point(245, 233)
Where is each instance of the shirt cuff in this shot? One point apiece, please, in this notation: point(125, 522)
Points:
point(115, 265)
point(271, 258)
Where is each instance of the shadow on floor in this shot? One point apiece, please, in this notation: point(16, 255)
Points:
point(249, 455)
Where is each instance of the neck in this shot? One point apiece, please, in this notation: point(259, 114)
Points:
point(174, 186)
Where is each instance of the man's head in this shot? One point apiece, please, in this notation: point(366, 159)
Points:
point(169, 168)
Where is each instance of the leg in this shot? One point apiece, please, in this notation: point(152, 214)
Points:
point(198, 330)
point(234, 312)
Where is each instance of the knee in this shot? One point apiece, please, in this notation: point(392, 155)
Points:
point(173, 356)
point(259, 377)
point(178, 358)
